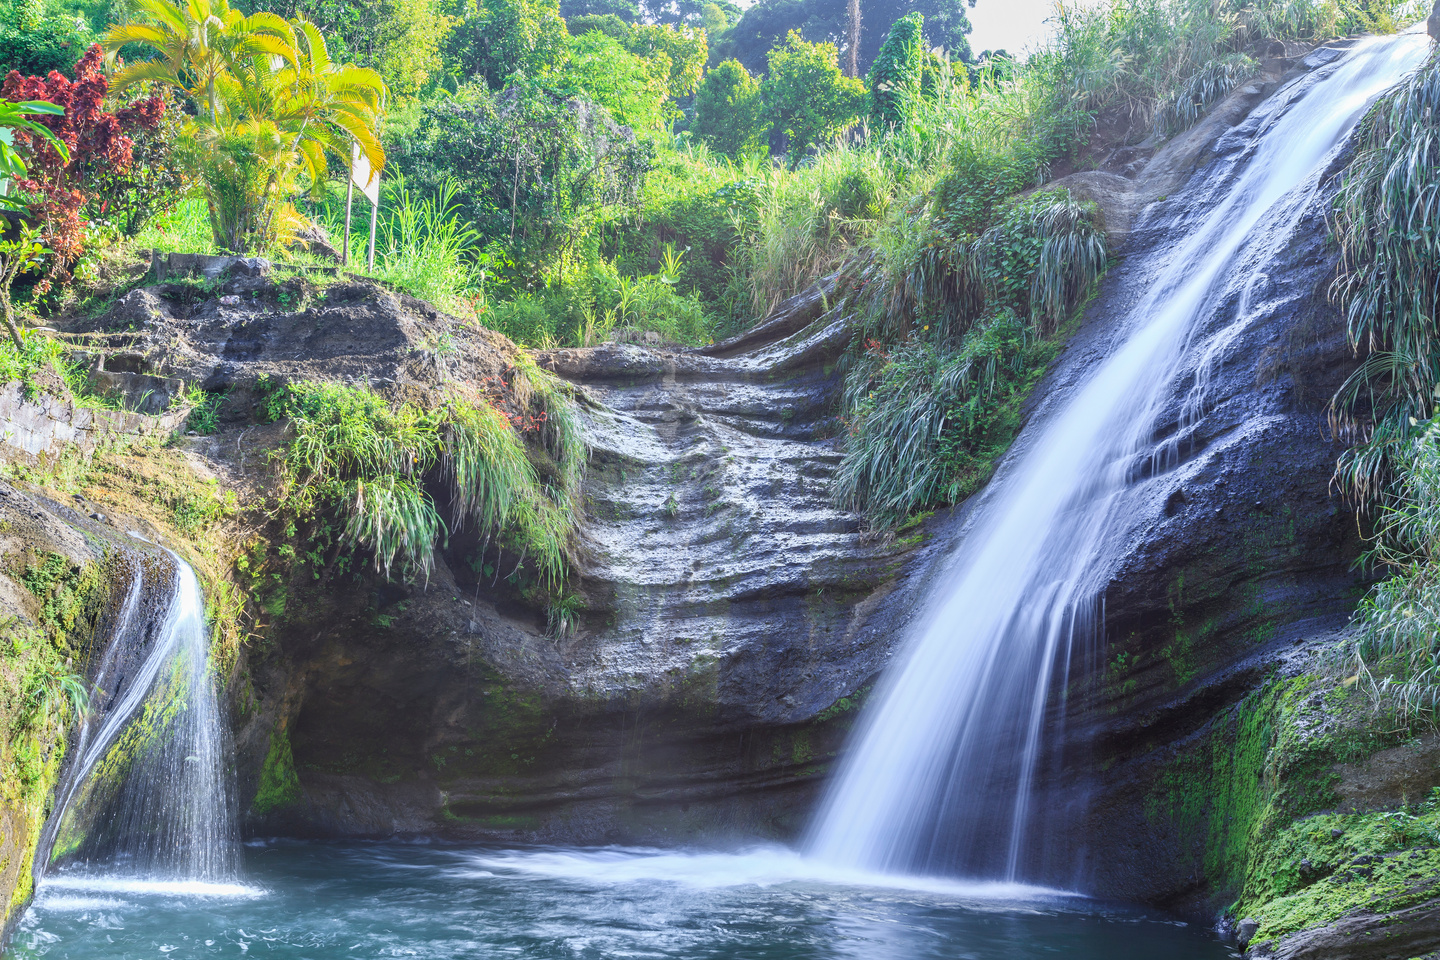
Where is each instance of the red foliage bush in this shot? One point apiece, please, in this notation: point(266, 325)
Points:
point(98, 142)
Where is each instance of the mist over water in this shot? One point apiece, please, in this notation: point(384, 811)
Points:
point(940, 775)
point(322, 901)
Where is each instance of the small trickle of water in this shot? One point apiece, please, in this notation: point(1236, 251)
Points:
point(939, 778)
point(148, 795)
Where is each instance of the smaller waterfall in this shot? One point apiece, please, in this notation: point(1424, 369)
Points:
point(148, 793)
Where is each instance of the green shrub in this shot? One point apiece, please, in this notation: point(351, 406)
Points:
point(895, 76)
point(527, 320)
point(806, 96)
point(699, 205)
point(728, 111)
point(204, 416)
point(533, 171)
point(957, 333)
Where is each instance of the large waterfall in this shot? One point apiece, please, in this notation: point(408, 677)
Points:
point(147, 796)
point(940, 775)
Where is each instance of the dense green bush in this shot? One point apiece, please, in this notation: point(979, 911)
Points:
point(533, 171)
point(601, 306)
point(698, 207)
point(728, 111)
point(806, 96)
point(895, 76)
point(35, 41)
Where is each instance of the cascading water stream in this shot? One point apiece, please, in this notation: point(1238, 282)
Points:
point(147, 796)
point(939, 776)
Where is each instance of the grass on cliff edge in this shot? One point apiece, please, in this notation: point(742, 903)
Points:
point(358, 470)
point(956, 331)
point(1387, 223)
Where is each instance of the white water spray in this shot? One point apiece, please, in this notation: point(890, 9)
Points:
point(148, 795)
point(939, 776)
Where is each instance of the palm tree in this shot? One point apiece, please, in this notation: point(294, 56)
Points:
point(270, 105)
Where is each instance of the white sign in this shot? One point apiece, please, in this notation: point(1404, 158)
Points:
point(365, 179)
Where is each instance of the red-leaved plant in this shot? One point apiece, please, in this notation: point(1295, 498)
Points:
point(99, 142)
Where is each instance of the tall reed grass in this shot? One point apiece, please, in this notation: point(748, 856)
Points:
point(1387, 223)
point(970, 321)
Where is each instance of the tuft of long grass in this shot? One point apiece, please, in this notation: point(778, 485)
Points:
point(485, 463)
point(1396, 649)
point(370, 461)
point(396, 519)
point(1387, 223)
point(1072, 255)
point(1201, 90)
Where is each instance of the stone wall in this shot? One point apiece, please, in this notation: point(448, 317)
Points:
point(45, 426)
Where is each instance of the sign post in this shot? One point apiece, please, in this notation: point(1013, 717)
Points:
point(349, 202)
point(368, 181)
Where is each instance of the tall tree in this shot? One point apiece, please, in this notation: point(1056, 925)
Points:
point(765, 25)
point(806, 96)
point(627, 10)
point(501, 38)
point(895, 76)
point(728, 110)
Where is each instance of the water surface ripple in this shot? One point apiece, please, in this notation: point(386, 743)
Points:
point(320, 901)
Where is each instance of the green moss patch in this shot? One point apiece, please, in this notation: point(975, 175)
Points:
point(279, 783)
point(1324, 867)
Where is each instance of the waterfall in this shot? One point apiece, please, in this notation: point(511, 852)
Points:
point(148, 795)
point(939, 775)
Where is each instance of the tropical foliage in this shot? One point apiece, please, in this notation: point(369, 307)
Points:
point(270, 102)
point(806, 96)
point(1387, 220)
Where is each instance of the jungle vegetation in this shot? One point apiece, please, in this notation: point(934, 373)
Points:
point(571, 173)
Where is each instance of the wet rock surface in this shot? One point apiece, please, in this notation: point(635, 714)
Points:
point(731, 619)
point(726, 609)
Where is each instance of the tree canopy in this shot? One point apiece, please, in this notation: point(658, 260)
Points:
point(766, 24)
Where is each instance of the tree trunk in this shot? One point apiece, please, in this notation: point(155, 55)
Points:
point(852, 38)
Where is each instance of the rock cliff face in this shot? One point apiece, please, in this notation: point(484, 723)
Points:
point(730, 619)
